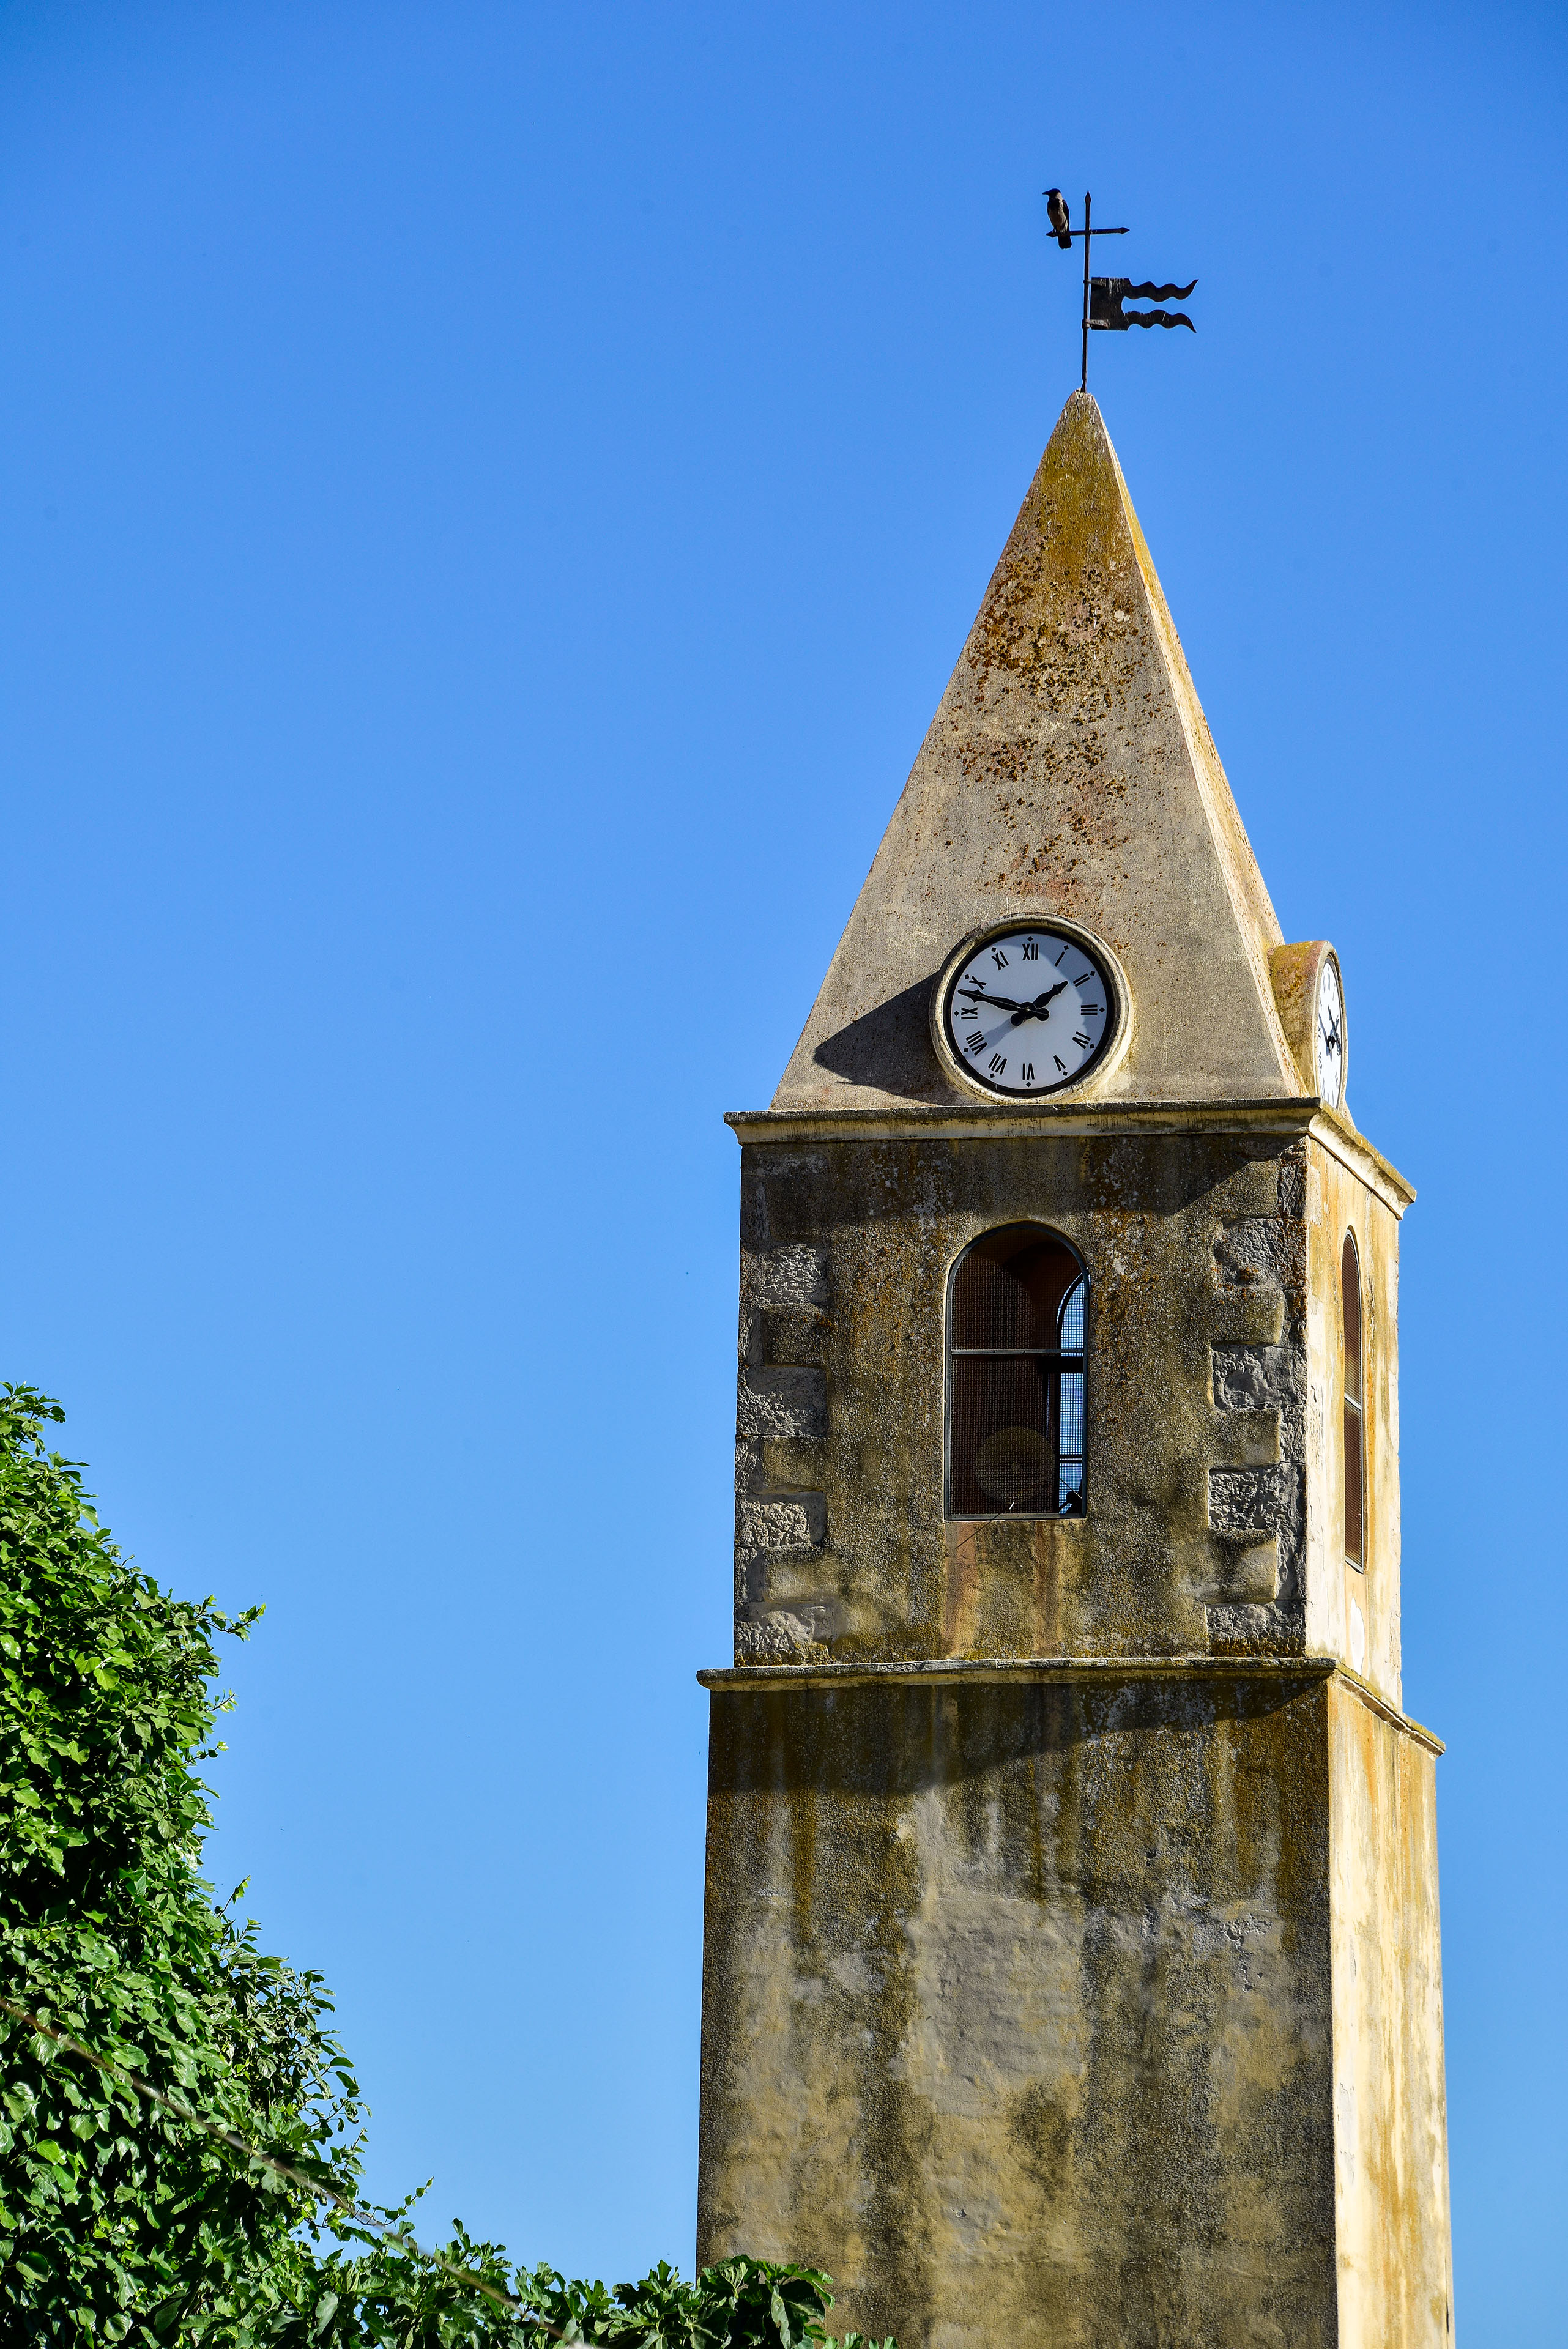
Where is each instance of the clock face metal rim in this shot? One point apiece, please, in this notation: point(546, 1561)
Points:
point(1107, 972)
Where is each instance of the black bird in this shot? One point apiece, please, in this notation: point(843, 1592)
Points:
point(1056, 214)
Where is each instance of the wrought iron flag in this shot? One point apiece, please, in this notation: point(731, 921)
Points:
point(1104, 297)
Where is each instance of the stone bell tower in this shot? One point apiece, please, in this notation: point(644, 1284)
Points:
point(1072, 1970)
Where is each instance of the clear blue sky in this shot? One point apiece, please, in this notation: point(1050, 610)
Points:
point(473, 474)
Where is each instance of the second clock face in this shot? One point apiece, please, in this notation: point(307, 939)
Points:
point(1028, 1012)
point(1328, 1043)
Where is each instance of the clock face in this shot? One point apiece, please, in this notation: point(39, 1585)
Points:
point(1328, 1035)
point(1028, 1012)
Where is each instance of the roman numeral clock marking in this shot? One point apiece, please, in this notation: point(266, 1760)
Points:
point(1014, 1035)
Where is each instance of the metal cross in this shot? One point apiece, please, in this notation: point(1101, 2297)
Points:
point(1088, 235)
point(1104, 297)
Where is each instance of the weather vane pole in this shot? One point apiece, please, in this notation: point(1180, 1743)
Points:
point(1104, 297)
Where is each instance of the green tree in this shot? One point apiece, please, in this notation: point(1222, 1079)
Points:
point(115, 2212)
point(182, 2133)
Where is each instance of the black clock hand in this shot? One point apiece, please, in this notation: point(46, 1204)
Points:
point(1002, 1002)
point(1021, 1011)
point(1036, 1010)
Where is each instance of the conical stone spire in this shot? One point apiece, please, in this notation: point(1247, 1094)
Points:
point(1069, 770)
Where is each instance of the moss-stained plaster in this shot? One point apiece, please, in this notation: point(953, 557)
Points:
point(1027, 2009)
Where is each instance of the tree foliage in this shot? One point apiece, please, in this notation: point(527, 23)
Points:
point(180, 2132)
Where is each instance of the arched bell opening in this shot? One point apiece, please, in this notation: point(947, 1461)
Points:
point(1016, 1369)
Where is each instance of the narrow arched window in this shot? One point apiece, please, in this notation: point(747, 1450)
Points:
point(1355, 1446)
point(1017, 1325)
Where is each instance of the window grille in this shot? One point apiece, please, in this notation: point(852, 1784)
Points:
point(1355, 1453)
point(1017, 1352)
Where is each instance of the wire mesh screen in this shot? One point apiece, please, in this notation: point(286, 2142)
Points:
point(1350, 1281)
point(1354, 1465)
point(1016, 1371)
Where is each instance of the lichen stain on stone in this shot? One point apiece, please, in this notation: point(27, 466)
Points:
point(1060, 635)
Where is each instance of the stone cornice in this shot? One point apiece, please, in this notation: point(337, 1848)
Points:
point(962, 1121)
point(1286, 1117)
point(980, 1670)
point(1336, 1134)
point(1380, 1705)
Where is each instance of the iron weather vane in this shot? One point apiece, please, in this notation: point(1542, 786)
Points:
point(1104, 297)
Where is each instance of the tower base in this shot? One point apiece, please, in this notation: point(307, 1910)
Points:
point(1090, 2005)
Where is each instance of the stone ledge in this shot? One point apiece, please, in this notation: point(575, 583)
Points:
point(918, 1123)
point(982, 1668)
point(1380, 1705)
point(1332, 1131)
point(1284, 1114)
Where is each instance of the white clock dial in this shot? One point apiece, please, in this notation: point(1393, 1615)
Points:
point(1328, 1034)
point(1028, 1012)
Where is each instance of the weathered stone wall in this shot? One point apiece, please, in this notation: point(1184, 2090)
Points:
point(1267, 1381)
point(1351, 1614)
point(1195, 1534)
point(1017, 2009)
point(1391, 2184)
